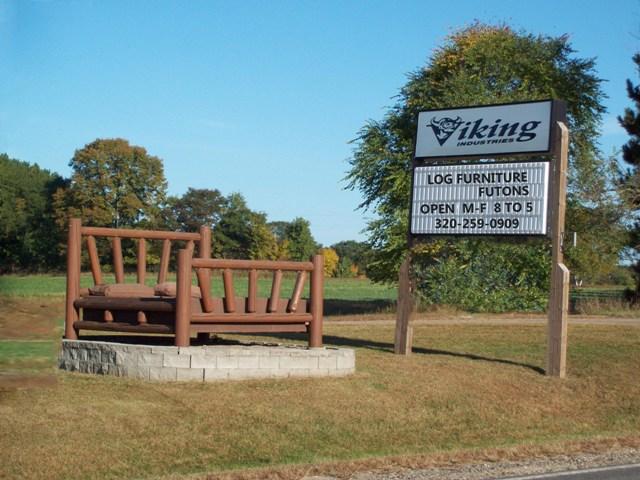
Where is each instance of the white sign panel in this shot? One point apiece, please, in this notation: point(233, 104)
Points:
point(480, 199)
point(488, 131)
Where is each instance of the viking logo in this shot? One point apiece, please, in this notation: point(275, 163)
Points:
point(444, 128)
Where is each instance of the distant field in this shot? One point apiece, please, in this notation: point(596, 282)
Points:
point(53, 285)
point(342, 295)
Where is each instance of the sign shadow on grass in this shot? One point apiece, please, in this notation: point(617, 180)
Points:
point(337, 341)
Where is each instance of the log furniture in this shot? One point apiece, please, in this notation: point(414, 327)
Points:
point(183, 309)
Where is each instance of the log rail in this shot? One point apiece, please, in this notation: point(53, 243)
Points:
point(250, 314)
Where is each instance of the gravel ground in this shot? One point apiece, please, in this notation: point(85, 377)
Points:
point(500, 470)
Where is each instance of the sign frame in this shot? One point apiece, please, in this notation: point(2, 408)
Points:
point(558, 113)
point(547, 232)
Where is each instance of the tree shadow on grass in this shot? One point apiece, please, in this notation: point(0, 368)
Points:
point(335, 306)
point(388, 347)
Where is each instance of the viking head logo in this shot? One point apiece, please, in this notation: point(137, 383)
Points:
point(444, 127)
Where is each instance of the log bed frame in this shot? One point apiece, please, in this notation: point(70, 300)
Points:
point(192, 310)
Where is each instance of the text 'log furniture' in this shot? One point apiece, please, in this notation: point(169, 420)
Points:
point(183, 309)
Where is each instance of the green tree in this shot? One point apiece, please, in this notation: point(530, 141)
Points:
point(480, 64)
point(595, 257)
point(113, 184)
point(28, 234)
point(197, 207)
point(629, 178)
point(279, 229)
point(301, 244)
point(243, 233)
point(352, 253)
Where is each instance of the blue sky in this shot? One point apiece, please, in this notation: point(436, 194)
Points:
point(259, 97)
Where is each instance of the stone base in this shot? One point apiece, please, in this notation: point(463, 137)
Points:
point(204, 363)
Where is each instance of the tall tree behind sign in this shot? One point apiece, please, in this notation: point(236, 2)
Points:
point(477, 65)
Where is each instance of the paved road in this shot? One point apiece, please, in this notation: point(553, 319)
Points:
point(623, 472)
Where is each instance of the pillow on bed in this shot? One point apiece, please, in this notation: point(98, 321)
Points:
point(122, 290)
point(168, 289)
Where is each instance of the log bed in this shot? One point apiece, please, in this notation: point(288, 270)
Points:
point(182, 309)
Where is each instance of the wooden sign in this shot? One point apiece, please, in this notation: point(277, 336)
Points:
point(491, 198)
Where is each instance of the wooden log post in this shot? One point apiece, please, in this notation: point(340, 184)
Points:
point(204, 279)
point(73, 278)
point(164, 260)
point(316, 292)
point(141, 272)
point(252, 290)
point(405, 309)
point(183, 299)
point(118, 263)
point(559, 295)
point(94, 260)
point(274, 299)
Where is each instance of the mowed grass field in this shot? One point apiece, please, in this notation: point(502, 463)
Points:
point(465, 388)
point(335, 288)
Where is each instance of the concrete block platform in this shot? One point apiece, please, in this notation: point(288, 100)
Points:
point(207, 363)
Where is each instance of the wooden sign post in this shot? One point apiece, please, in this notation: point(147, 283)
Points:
point(406, 307)
point(506, 198)
point(559, 297)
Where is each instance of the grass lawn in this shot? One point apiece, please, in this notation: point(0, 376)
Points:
point(466, 387)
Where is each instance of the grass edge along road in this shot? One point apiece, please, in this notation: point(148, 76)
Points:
point(467, 387)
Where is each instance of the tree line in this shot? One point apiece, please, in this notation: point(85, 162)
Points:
point(116, 184)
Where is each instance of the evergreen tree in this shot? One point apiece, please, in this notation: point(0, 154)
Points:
point(629, 181)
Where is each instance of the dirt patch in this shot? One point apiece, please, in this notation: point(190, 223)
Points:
point(10, 382)
point(30, 318)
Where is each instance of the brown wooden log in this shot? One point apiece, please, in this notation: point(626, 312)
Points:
point(142, 260)
point(124, 327)
point(108, 316)
point(118, 264)
point(164, 260)
point(204, 274)
point(274, 299)
point(94, 260)
point(251, 317)
point(149, 234)
point(183, 299)
point(190, 246)
point(297, 292)
point(155, 304)
point(270, 265)
point(252, 291)
point(229, 293)
point(74, 240)
point(316, 298)
point(249, 328)
point(205, 293)
point(142, 318)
